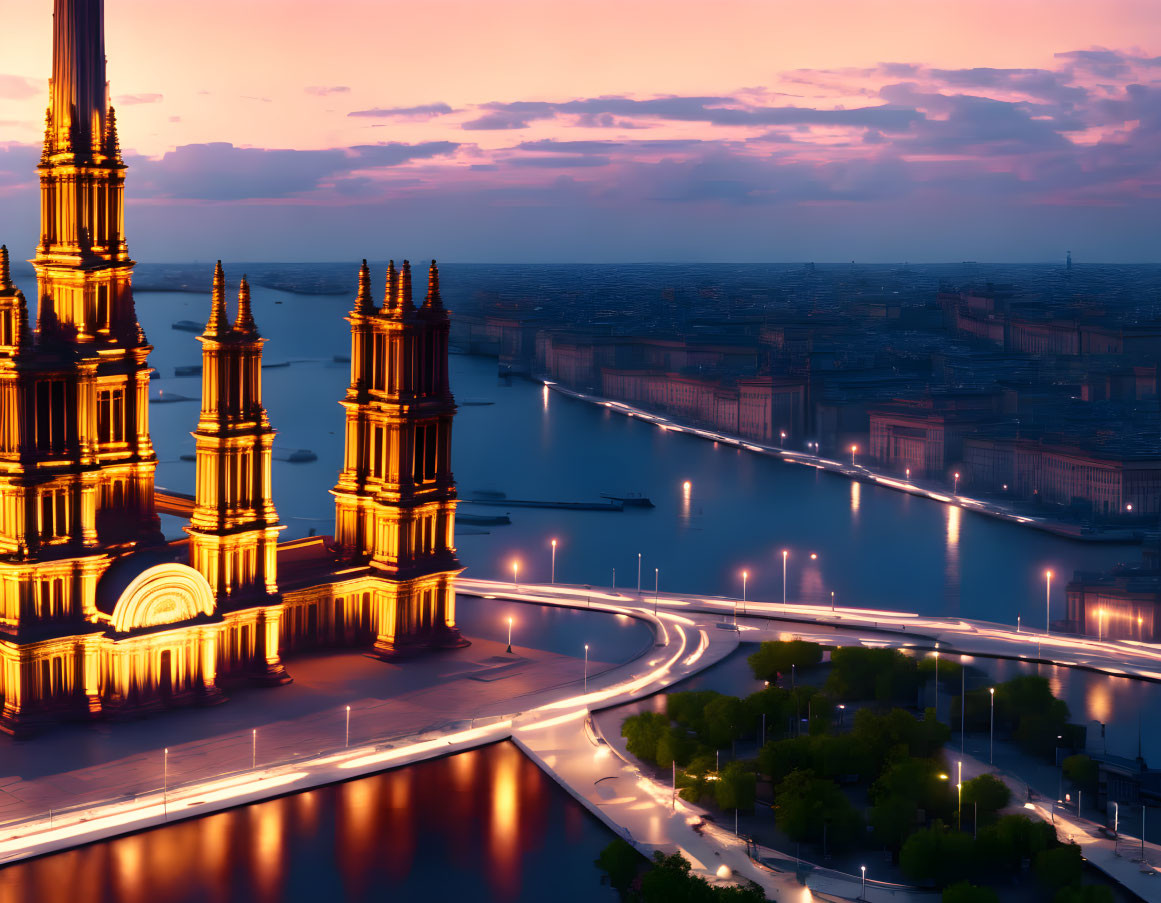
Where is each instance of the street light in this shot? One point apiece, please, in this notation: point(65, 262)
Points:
point(656, 587)
point(863, 895)
point(959, 804)
point(165, 784)
point(552, 577)
point(785, 554)
point(509, 635)
point(1047, 601)
point(854, 451)
point(991, 723)
point(832, 600)
point(783, 434)
point(638, 573)
point(253, 748)
point(515, 571)
point(347, 743)
point(955, 490)
point(907, 473)
point(586, 667)
point(745, 577)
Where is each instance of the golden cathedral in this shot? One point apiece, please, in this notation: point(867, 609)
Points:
point(99, 614)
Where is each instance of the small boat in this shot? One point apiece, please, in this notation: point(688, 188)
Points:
point(469, 403)
point(483, 520)
point(188, 457)
point(632, 500)
point(341, 359)
point(275, 366)
point(188, 326)
point(191, 370)
point(301, 456)
point(171, 398)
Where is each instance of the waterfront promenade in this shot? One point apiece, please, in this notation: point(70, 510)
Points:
point(855, 471)
point(544, 707)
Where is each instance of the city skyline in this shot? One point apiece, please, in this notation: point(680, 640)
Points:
point(761, 133)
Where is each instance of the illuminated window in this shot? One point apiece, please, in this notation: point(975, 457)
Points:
point(111, 415)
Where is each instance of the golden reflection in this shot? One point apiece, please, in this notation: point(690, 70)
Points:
point(544, 395)
point(268, 866)
point(951, 574)
point(128, 864)
point(505, 822)
point(953, 515)
point(1099, 701)
point(463, 769)
point(856, 492)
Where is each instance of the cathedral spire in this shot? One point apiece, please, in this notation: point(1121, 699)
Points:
point(389, 299)
point(405, 303)
point(218, 325)
point(111, 145)
point(5, 270)
point(364, 303)
point(244, 323)
point(433, 301)
point(78, 89)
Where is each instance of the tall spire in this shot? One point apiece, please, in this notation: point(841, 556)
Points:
point(218, 325)
point(110, 144)
point(364, 304)
point(433, 300)
point(405, 303)
point(389, 299)
point(5, 269)
point(78, 88)
point(244, 323)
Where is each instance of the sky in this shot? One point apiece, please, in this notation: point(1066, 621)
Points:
point(635, 130)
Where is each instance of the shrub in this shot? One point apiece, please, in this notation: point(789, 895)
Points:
point(885, 675)
point(1059, 866)
point(642, 733)
point(1087, 893)
point(805, 806)
point(937, 855)
point(1082, 771)
point(736, 787)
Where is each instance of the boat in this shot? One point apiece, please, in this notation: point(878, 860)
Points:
point(191, 370)
point(301, 456)
point(632, 500)
point(188, 326)
point(483, 520)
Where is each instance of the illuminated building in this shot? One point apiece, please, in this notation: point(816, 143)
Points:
point(98, 614)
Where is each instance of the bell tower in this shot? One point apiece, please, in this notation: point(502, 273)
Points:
point(395, 499)
point(233, 532)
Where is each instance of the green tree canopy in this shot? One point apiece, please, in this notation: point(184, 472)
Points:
point(806, 805)
point(1060, 866)
point(776, 658)
point(621, 862)
point(736, 787)
point(988, 793)
point(938, 855)
point(963, 892)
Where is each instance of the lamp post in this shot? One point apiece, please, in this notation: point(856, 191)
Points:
point(586, 667)
point(253, 748)
point(937, 680)
point(907, 473)
point(638, 573)
point(1047, 602)
point(656, 587)
point(863, 895)
point(991, 723)
point(962, 701)
point(955, 487)
point(509, 636)
point(959, 796)
point(854, 451)
point(783, 435)
point(165, 784)
point(745, 577)
point(552, 573)
point(515, 572)
point(347, 741)
point(785, 555)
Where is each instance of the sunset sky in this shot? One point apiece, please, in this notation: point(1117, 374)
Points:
point(586, 130)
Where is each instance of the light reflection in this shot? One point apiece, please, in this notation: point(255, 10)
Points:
point(505, 826)
point(856, 493)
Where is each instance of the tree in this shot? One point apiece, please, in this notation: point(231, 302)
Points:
point(906, 786)
point(674, 746)
point(885, 675)
point(1084, 893)
point(1001, 847)
point(642, 733)
point(964, 892)
point(775, 658)
point(621, 862)
point(938, 855)
point(736, 787)
point(988, 793)
point(1059, 866)
point(1082, 771)
point(669, 881)
point(723, 722)
point(805, 806)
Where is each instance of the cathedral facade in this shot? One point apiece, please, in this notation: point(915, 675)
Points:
point(99, 615)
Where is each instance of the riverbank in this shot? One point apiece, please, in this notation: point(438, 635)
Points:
point(854, 471)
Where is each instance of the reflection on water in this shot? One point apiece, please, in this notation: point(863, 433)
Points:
point(482, 825)
point(951, 569)
point(856, 497)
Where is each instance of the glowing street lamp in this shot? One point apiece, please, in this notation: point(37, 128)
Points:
point(515, 572)
point(955, 490)
point(509, 635)
point(552, 577)
point(785, 554)
point(783, 434)
point(907, 473)
point(656, 587)
point(1047, 601)
point(253, 748)
point(165, 784)
point(347, 743)
point(586, 667)
point(854, 451)
point(745, 577)
point(991, 723)
point(863, 895)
